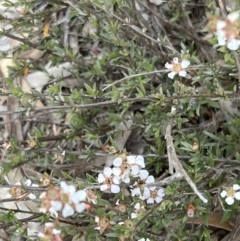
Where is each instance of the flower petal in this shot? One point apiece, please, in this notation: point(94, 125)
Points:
point(116, 171)
point(131, 160)
point(80, 207)
point(158, 199)
point(107, 171)
point(116, 180)
point(161, 193)
point(117, 162)
point(79, 196)
point(101, 178)
point(237, 195)
point(150, 179)
point(233, 16)
point(236, 187)
point(168, 66)
point(143, 174)
point(115, 188)
point(175, 60)
point(221, 24)
point(67, 210)
point(150, 200)
point(185, 64)
point(182, 73)
point(233, 44)
point(171, 75)
point(229, 200)
point(223, 193)
point(140, 161)
point(136, 192)
point(104, 187)
point(56, 205)
point(135, 170)
point(32, 196)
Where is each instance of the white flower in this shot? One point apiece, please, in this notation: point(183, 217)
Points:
point(130, 166)
point(152, 194)
point(109, 180)
point(177, 67)
point(228, 31)
point(231, 193)
point(144, 178)
point(143, 239)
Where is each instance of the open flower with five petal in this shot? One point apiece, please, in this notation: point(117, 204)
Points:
point(231, 193)
point(177, 67)
point(109, 180)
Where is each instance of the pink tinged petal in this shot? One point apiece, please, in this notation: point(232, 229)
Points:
point(229, 200)
point(161, 193)
point(116, 171)
point(185, 64)
point(80, 207)
point(150, 179)
point(175, 60)
point(131, 160)
point(233, 16)
point(237, 195)
point(135, 170)
point(104, 187)
point(116, 180)
point(140, 161)
point(233, 44)
point(136, 192)
point(158, 199)
point(67, 210)
point(56, 205)
point(107, 171)
point(171, 75)
point(101, 178)
point(32, 196)
point(143, 174)
point(223, 193)
point(182, 73)
point(117, 162)
point(115, 188)
point(236, 187)
point(168, 66)
point(150, 200)
point(221, 24)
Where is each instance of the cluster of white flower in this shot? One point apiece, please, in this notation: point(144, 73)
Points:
point(177, 67)
point(231, 193)
point(125, 167)
point(64, 199)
